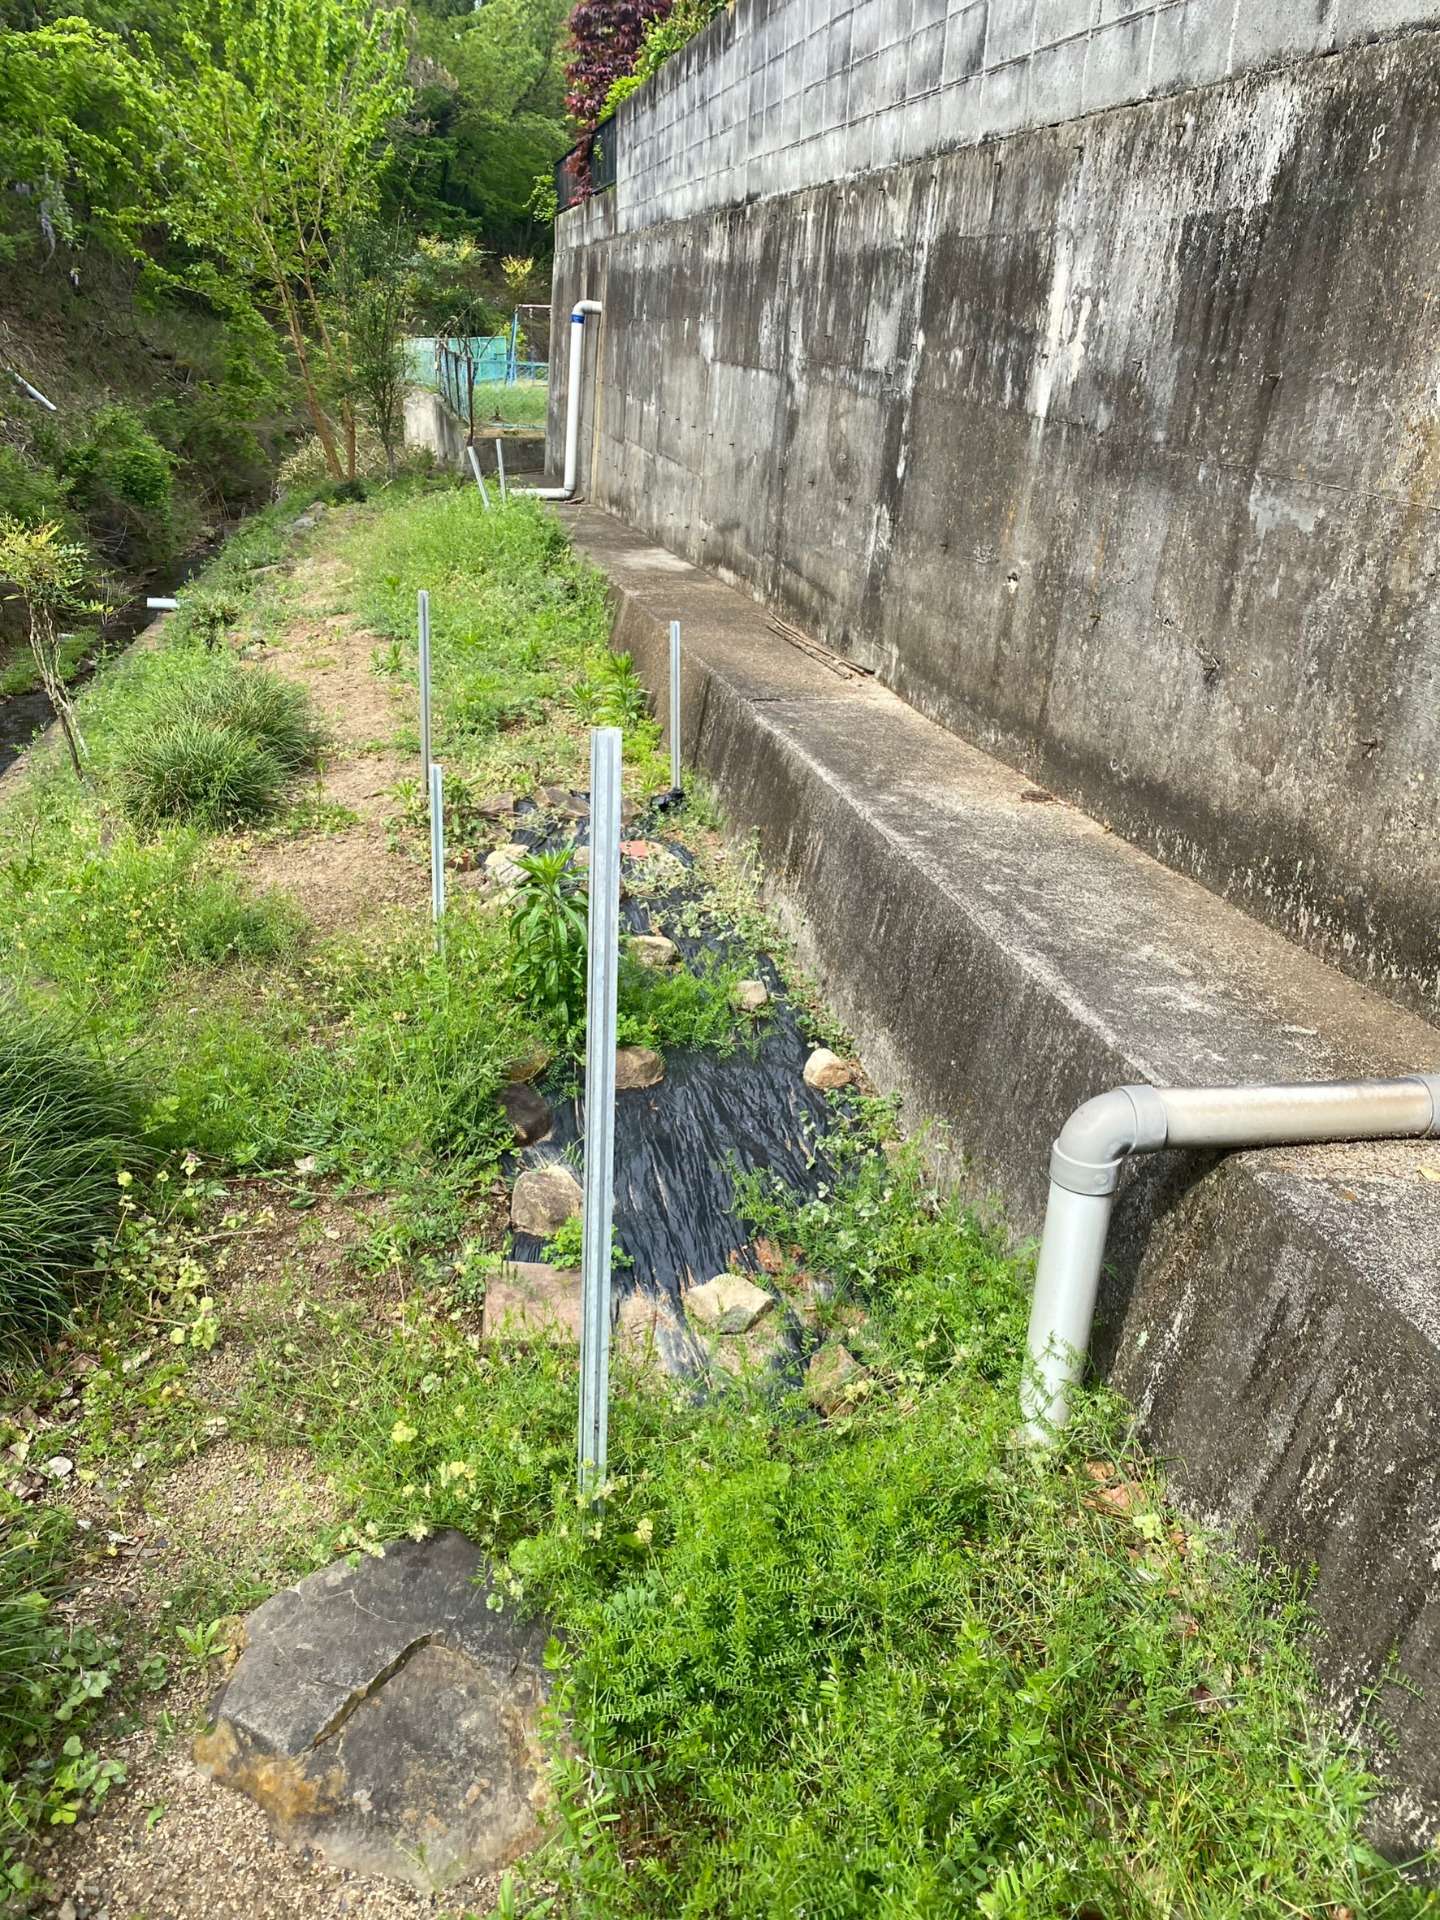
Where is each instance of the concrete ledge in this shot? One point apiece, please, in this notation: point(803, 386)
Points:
point(1275, 1317)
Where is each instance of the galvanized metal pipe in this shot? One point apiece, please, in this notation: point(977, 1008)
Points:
point(479, 476)
point(423, 616)
point(437, 852)
point(602, 976)
point(675, 787)
point(1100, 1136)
point(500, 467)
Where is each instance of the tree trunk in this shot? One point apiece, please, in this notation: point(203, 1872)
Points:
point(42, 646)
point(324, 431)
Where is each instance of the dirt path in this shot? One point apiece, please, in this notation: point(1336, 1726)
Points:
point(169, 1844)
point(345, 869)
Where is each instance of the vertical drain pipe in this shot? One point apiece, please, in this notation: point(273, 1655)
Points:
point(572, 405)
point(1099, 1137)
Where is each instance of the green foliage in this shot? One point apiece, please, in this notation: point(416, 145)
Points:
point(119, 458)
point(663, 37)
point(513, 613)
point(52, 1684)
point(566, 1245)
point(109, 920)
point(416, 1051)
point(283, 123)
point(611, 694)
point(520, 403)
point(29, 491)
point(48, 575)
point(880, 1665)
point(210, 743)
point(488, 116)
point(80, 116)
point(202, 771)
point(69, 1124)
point(548, 942)
point(665, 1007)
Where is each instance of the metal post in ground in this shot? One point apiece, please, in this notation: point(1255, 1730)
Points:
point(675, 786)
point(500, 467)
point(423, 605)
point(479, 476)
point(437, 853)
point(600, 1018)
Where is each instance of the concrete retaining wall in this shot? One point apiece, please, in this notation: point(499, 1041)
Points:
point(1111, 443)
point(1273, 1319)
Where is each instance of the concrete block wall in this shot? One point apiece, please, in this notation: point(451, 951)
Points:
point(784, 94)
point(1116, 452)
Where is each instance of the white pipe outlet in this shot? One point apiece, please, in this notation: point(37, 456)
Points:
point(1100, 1136)
point(572, 405)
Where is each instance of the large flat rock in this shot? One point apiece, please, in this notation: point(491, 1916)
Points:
point(1002, 957)
point(385, 1716)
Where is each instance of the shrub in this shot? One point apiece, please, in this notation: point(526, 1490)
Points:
point(202, 770)
point(548, 940)
point(119, 456)
point(273, 711)
point(69, 1123)
point(207, 613)
point(204, 740)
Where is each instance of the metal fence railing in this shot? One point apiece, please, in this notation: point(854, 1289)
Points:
point(456, 365)
point(588, 168)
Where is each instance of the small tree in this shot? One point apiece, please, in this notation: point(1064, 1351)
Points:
point(374, 289)
point(48, 575)
point(283, 127)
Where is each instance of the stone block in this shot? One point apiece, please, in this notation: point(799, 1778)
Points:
point(1191, 46)
point(1010, 34)
point(387, 1718)
point(1057, 83)
point(964, 42)
point(1117, 63)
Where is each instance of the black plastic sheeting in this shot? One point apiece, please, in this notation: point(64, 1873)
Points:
point(678, 1145)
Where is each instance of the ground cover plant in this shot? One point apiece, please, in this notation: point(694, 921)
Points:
point(881, 1662)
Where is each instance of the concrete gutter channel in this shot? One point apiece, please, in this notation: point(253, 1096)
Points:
point(1274, 1316)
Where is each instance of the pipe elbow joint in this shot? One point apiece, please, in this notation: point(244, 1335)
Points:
point(1099, 1137)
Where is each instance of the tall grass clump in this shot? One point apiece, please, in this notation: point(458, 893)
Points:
point(69, 1125)
point(203, 740)
point(201, 771)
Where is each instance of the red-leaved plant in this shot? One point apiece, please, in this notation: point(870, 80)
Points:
point(605, 37)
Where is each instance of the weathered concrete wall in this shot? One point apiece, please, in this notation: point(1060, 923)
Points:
point(1113, 445)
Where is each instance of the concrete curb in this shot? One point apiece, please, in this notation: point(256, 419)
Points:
point(1274, 1318)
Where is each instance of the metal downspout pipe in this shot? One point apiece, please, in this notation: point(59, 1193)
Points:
point(1099, 1137)
point(572, 406)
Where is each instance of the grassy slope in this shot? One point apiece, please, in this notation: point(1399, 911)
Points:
point(877, 1665)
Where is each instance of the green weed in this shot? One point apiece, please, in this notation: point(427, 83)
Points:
point(72, 1124)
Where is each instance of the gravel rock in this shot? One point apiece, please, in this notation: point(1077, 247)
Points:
point(543, 1199)
point(500, 865)
point(529, 1300)
point(750, 995)
point(826, 1071)
point(637, 1067)
point(384, 1716)
point(528, 1112)
point(727, 1304)
point(835, 1381)
point(654, 950)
